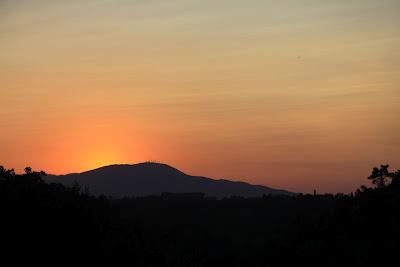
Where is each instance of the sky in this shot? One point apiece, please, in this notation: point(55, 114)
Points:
point(299, 95)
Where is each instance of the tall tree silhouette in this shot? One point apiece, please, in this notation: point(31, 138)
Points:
point(379, 176)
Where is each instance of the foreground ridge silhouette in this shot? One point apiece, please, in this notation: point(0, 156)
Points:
point(194, 230)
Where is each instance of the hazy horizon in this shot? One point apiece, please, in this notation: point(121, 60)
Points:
point(297, 95)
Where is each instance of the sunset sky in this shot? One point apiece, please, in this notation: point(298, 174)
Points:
point(289, 94)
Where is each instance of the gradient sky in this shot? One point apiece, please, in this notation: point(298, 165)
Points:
point(291, 94)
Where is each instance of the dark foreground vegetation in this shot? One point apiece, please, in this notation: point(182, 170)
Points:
point(191, 230)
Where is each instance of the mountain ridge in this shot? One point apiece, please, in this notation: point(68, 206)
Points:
point(151, 178)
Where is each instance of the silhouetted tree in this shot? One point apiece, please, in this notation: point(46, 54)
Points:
point(6, 174)
point(379, 176)
point(28, 170)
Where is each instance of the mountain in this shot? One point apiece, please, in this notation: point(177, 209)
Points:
point(153, 179)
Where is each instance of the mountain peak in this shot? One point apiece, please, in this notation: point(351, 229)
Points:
point(147, 167)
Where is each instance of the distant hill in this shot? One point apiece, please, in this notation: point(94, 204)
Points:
point(154, 179)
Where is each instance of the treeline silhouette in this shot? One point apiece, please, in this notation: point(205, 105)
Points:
point(193, 230)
